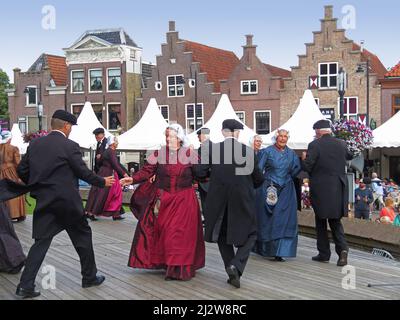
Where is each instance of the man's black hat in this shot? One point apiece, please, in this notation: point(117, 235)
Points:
point(65, 116)
point(322, 124)
point(98, 131)
point(203, 131)
point(232, 125)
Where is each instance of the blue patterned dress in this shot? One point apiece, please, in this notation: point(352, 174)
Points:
point(277, 225)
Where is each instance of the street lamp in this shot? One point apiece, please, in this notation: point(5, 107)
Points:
point(40, 114)
point(342, 84)
point(195, 100)
point(361, 69)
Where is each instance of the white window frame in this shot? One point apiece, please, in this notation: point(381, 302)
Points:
point(74, 105)
point(115, 68)
point(186, 115)
point(254, 119)
point(244, 115)
point(107, 116)
point(348, 115)
point(30, 105)
point(175, 85)
point(327, 75)
point(164, 106)
point(89, 80)
point(249, 82)
point(72, 82)
point(20, 120)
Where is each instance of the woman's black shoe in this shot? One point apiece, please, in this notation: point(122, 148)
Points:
point(279, 259)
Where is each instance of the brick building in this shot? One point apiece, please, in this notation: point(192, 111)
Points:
point(318, 70)
point(391, 93)
point(104, 67)
point(187, 71)
point(44, 84)
point(254, 90)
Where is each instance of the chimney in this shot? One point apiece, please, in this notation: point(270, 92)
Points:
point(362, 43)
point(249, 40)
point(171, 26)
point(17, 72)
point(249, 51)
point(328, 12)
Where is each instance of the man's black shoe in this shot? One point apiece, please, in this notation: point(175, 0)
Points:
point(234, 278)
point(26, 294)
point(342, 259)
point(320, 258)
point(96, 282)
point(118, 218)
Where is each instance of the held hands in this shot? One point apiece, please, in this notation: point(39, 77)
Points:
point(126, 181)
point(152, 179)
point(98, 156)
point(304, 155)
point(109, 181)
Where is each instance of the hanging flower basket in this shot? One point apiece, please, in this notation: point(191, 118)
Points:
point(28, 137)
point(357, 136)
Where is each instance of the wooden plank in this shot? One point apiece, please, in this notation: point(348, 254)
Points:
point(299, 278)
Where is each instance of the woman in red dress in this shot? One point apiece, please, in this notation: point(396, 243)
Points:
point(169, 233)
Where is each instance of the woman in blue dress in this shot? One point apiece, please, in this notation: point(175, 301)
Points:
point(277, 223)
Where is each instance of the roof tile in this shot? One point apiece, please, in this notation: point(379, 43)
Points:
point(394, 72)
point(217, 63)
point(58, 69)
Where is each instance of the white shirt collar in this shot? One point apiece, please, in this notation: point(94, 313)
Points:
point(60, 132)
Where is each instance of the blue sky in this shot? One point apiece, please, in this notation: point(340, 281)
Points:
point(280, 28)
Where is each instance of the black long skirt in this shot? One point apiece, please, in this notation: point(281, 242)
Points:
point(12, 256)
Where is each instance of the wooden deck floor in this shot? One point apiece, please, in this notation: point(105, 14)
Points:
point(296, 279)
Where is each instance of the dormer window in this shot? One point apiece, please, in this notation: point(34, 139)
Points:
point(249, 87)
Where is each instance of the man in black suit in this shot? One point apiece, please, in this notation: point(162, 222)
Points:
point(325, 162)
point(100, 148)
point(230, 215)
point(51, 169)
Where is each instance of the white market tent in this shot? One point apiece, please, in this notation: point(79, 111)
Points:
point(300, 125)
point(223, 112)
point(148, 133)
point(82, 133)
point(388, 134)
point(17, 139)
